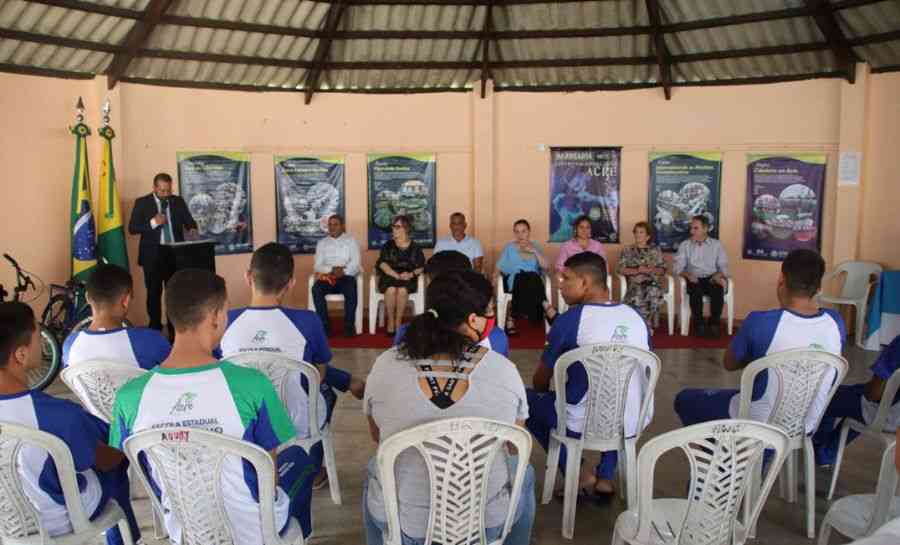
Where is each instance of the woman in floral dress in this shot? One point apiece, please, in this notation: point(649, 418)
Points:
point(643, 266)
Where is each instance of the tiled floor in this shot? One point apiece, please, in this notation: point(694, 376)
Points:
point(781, 523)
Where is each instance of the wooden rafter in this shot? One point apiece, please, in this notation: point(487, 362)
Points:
point(659, 46)
point(486, 47)
point(827, 22)
point(323, 48)
point(135, 40)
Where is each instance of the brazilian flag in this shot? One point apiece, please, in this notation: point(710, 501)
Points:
point(110, 234)
point(84, 245)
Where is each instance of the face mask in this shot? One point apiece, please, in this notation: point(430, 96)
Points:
point(488, 327)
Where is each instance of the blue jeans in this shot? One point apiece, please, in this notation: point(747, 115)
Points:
point(846, 403)
point(114, 485)
point(697, 405)
point(542, 420)
point(346, 286)
point(519, 532)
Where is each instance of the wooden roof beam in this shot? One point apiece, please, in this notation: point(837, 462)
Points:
point(323, 48)
point(827, 22)
point(663, 58)
point(486, 47)
point(135, 40)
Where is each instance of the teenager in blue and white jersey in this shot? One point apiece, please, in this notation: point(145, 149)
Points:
point(590, 320)
point(109, 292)
point(859, 402)
point(799, 323)
point(452, 260)
point(102, 473)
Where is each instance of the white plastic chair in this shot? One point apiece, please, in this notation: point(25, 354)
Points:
point(722, 455)
point(668, 297)
point(563, 306)
point(338, 298)
point(504, 298)
point(610, 368)
point(855, 290)
point(188, 464)
point(685, 312)
point(800, 375)
point(277, 368)
point(458, 451)
point(376, 301)
point(876, 430)
point(19, 520)
point(859, 515)
point(96, 382)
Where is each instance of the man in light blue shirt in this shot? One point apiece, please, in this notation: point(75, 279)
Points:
point(460, 242)
point(336, 267)
point(702, 262)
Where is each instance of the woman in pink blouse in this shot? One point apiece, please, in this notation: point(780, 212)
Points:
point(581, 243)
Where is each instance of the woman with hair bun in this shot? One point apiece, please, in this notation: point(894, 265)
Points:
point(455, 377)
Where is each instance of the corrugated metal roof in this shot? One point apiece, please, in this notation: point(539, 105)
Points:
point(433, 45)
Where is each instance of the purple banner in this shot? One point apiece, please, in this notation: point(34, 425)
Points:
point(784, 204)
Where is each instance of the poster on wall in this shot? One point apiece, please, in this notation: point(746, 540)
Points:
point(683, 185)
point(216, 187)
point(585, 181)
point(308, 190)
point(402, 183)
point(784, 204)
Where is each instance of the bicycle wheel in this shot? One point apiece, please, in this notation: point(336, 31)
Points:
point(54, 316)
point(86, 323)
point(41, 376)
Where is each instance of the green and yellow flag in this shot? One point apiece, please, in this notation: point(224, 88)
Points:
point(84, 245)
point(110, 234)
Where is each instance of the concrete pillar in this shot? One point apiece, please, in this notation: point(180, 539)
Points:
point(483, 171)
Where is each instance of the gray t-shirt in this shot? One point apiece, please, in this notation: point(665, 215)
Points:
point(396, 403)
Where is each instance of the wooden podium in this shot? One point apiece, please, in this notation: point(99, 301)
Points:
point(191, 254)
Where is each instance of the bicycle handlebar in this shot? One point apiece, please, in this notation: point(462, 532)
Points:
point(13, 261)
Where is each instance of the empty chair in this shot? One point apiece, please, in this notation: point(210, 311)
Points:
point(20, 522)
point(855, 290)
point(876, 429)
point(96, 382)
point(805, 381)
point(860, 515)
point(504, 298)
point(684, 314)
point(614, 418)
point(458, 454)
point(669, 298)
point(188, 464)
point(376, 301)
point(722, 455)
point(338, 298)
point(278, 369)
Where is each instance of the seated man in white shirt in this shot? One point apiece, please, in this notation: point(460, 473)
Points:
point(461, 242)
point(109, 292)
point(799, 323)
point(591, 319)
point(336, 267)
point(702, 261)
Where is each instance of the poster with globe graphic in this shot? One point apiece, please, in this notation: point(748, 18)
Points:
point(308, 191)
point(683, 185)
point(402, 183)
point(585, 182)
point(784, 204)
point(216, 187)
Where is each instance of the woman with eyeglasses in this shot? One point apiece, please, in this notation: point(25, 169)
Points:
point(440, 371)
point(399, 265)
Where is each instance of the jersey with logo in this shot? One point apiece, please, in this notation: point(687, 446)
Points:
point(770, 331)
point(583, 325)
point(496, 339)
point(138, 346)
point(220, 397)
point(80, 431)
point(293, 333)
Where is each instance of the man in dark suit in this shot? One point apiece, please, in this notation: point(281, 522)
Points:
point(159, 217)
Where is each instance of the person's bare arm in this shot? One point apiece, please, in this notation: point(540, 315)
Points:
point(374, 431)
point(478, 264)
point(542, 376)
point(388, 270)
point(730, 362)
point(107, 458)
point(875, 389)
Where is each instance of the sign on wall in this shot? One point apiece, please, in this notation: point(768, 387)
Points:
point(585, 181)
point(683, 185)
point(216, 187)
point(308, 190)
point(402, 183)
point(784, 204)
